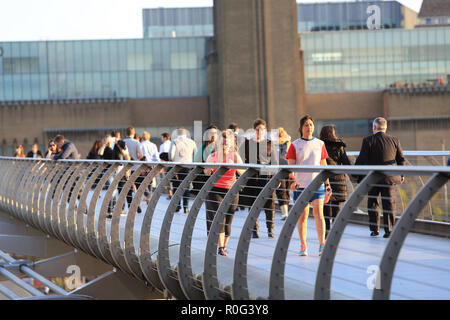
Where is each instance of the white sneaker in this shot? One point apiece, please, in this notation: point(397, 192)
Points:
point(284, 217)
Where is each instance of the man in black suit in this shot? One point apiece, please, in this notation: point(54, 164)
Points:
point(381, 149)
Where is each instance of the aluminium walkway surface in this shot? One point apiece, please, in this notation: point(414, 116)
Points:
point(422, 271)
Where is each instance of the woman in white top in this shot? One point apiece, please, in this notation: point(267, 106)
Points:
point(308, 151)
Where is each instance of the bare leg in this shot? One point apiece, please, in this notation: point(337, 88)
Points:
point(284, 209)
point(221, 243)
point(319, 219)
point(302, 226)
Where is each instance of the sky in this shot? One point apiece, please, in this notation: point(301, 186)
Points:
point(33, 20)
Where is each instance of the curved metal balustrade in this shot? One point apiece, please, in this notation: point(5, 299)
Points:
point(70, 199)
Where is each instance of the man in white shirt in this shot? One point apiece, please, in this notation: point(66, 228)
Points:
point(164, 148)
point(150, 153)
point(149, 149)
point(134, 146)
point(182, 149)
point(135, 151)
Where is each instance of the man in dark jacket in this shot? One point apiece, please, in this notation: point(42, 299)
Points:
point(66, 147)
point(34, 152)
point(381, 149)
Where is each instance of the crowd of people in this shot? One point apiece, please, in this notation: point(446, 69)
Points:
point(259, 147)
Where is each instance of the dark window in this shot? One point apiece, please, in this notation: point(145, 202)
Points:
point(20, 65)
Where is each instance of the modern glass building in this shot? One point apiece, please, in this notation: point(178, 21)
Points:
point(188, 22)
point(131, 68)
point(331, 16)
point(178, 22)
point(367, 60)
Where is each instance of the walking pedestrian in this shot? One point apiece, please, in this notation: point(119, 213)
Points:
point(336, 156)
point(259, 150)
point(381, 149)
point(135, 151)
point(225, 152)
point(282, 192)
point(308, 150)
point(164, 149)
point(182, 149)
point(207, 148)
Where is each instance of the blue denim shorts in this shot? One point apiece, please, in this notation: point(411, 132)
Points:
point(320, 194)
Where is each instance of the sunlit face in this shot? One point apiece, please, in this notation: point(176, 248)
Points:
point(226, 144)
point(260, 131)
point(59, 144)
point(307, 128)
point(34, 148)
point(52, 146)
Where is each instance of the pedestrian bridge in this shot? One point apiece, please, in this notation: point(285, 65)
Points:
point(57, 211)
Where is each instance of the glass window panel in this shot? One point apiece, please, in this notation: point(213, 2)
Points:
point(71, 86)
point(157, 83)
point(86, 52)
point(114, 64)
point(106, 89)
point(139, 61)
point(25, 86)
point(115, 84)
point(104, 56)
point(140, 84)
point(132, 84)
point(183, 60)
point(79, 86)
point(96, 55)
point(96, 84)
point(17, 87)
point(70, 57)
point(8, 87)
point(42, 53)
point(2, 91)
point(78, 56)
point(60, 56)
point(122, 55)
point(88, 85)
point(43, 83)
point(167, 83)
point(123, 84)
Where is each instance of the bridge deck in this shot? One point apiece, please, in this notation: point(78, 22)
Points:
point(422, 270)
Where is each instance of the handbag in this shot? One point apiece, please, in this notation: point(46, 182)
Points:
point(327, 195)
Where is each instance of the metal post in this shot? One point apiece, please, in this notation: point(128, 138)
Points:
point(276, 286)
point(209, 279)
point(323, 277)
point(164, 266)
point(401, 230)
point(185, 274)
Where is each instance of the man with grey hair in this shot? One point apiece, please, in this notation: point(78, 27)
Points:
point(381, 149)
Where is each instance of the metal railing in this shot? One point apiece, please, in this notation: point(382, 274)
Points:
point(110, 213)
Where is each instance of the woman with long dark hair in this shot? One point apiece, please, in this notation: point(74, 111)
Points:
point(94, 152)
point(308, 151)
point(336, 156)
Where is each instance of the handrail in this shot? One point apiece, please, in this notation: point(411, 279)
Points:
point(57, 198)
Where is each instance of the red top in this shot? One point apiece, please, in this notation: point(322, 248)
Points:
point(229, 178)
